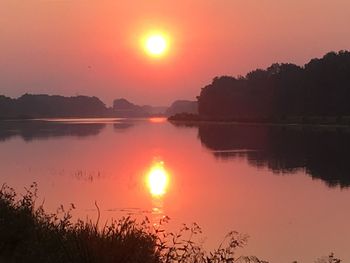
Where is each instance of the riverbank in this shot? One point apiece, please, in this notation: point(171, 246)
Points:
point(326, 121)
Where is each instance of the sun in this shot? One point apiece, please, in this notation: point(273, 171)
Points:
point(156, 45)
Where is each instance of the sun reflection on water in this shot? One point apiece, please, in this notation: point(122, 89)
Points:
point(157, 179)
point(157, 119)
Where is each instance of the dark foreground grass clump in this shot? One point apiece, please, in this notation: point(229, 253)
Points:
point(29, 234)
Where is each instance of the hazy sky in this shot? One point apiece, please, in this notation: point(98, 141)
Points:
point(91, 47)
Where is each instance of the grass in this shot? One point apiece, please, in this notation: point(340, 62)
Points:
point(29, 234)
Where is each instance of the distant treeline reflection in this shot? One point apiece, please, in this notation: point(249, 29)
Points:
point(323, 153)
point(40, 129)
point(31, 130)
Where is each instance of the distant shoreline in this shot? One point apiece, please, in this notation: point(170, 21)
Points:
point(329, 121)
point(193, 119)
point(77, 117)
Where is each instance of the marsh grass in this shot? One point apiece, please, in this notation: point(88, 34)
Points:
point(29, 234)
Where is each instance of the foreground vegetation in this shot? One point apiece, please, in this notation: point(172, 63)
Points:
point(29, 234)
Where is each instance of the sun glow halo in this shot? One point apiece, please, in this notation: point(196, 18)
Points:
point(156, 45)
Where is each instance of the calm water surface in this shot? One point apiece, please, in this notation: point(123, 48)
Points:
point(286, 187)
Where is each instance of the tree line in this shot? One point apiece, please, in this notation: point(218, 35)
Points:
point(41, 106)
point(320, 88)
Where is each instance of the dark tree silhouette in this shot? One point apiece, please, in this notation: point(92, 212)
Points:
point(41, 106)
point(317, 91)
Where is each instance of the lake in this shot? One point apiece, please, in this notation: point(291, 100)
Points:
point(287, 187)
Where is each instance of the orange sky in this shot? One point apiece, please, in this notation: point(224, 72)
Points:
point(91, 47)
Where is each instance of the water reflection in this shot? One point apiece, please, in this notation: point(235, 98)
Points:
point(36, 130)
point(30, 130)
point(157, 120)
point(157, 181)
point(112, 169)
point(87, 176)
point(322, 152)
point(122, 126)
